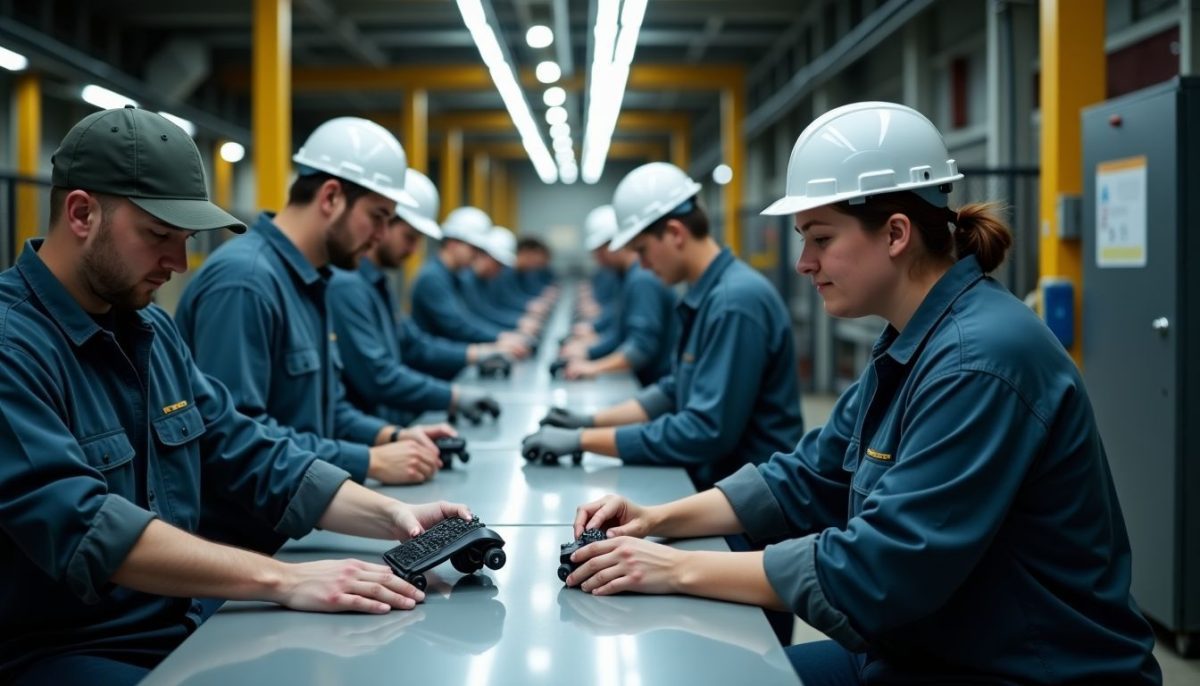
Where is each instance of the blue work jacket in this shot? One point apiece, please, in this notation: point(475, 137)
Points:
point(479, 296)
point(377, 379)
point(439, 309)
point(96, 440)
point(647, 328)
point(733, 396)
point(255, 317)
point(956, 518)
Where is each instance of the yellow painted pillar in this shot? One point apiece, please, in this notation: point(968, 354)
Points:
point(680, 150)
point(733, 153)
point(272, 100)
point(222, 179)
point(512, 205)
point(1073, 77)
point(29, 141)
point(416, 129)
point(478, 182)
point(499, 194)
point(452, 163)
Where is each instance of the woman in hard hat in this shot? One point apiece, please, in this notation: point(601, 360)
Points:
point(955, 521)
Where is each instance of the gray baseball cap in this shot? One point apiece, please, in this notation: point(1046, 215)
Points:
point(141, 156)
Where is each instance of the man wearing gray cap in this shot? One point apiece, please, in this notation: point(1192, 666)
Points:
point(107, 429)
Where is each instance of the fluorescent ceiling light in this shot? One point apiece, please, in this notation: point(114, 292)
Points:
point(232, 152)
point(611, 56)
point(554, 96)
point(539, 36)
point(548, 72)
point(12, 61)
point(563, 143)
point(188, 127)
point(104, 98)
point(560, 130)
point(723, 174)
point(475, 19)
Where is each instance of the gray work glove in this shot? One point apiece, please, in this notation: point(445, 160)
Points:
point(494, 364)
point(561, 416)
point(551, 442)
point(473, 404)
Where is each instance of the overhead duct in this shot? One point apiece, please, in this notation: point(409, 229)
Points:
point(178, 69)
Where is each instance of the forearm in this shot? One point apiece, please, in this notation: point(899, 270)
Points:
point(628, 412)
point(602, 441)
point(358, 511)
point(616, 362)
point(736, 577)
point(171, 562)
point(707, 513)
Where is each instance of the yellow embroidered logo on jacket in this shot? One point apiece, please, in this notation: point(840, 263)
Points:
point(177, 406)
point(886, 457)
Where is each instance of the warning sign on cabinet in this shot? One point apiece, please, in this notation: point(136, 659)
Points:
point(1121, 213)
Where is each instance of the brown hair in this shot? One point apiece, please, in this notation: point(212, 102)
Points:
point(304, 189)
point(58, 201)
point(689, 213)
point(978, 228)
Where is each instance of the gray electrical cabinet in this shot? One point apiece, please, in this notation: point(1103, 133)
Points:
point(1141, 333)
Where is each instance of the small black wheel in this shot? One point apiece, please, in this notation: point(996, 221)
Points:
point(419, 581)
point(564, 570)
point(452, 419)
point(549, 458)
point(463, 564)
point(577, 458)
point(495, 558)
point(1186, 645)
point(465, 457)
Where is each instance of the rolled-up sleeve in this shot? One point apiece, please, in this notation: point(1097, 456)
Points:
point(654, 401)
point(54, 505)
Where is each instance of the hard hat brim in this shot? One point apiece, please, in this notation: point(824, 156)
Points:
point(423, 224)
point(791, 204)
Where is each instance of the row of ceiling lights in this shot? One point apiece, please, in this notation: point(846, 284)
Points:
point(555, 98)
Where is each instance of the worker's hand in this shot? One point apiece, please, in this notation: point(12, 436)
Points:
point(494, 363)
point(473, 404)
point(344, 586)
point(513, 344)
point(580, 369)
point(552, 441)
point(623, 564)
point(573, 350)
point(414, 519)
point(529, 325)
point(404, 462)
point(583, 330)
point(426, 434)
point(562, 417)
point(615, 514)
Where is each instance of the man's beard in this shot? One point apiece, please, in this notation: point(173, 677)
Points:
point(342, 254)
point(105, 273)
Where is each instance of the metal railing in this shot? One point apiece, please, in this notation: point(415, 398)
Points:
point(10, 186)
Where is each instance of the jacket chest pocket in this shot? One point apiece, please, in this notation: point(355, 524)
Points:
point(111, 454)
point(866, 478)
point(179, 428)
point(302, 362)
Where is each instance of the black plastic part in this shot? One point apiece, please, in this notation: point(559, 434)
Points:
point(468, 545)
point(557, 367)
point(566, 550)
point(450, 447)
point(419, 581)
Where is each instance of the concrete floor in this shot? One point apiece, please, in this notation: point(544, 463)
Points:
point(1176, 670)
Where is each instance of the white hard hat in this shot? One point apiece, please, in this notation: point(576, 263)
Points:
point(361, 152)
point(600, 226)
point(646, 195)
point(423, 217)
point(502, 246)
point(865, 149)
point(469, 225)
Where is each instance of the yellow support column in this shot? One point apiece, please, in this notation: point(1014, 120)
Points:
point(479, 182)
point(452, 162)
point(416, 129)
point(499, 210)
point(29, 140)
point(272, 100)
point(733, 153)
point(1073, 77)
point(222, 179)
point(681, 154)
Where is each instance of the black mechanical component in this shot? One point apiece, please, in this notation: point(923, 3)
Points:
point(565, 550)
point(557, 367)
point(451, 447)
point(546, 457)
point(494, 366)
point(468, 545)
